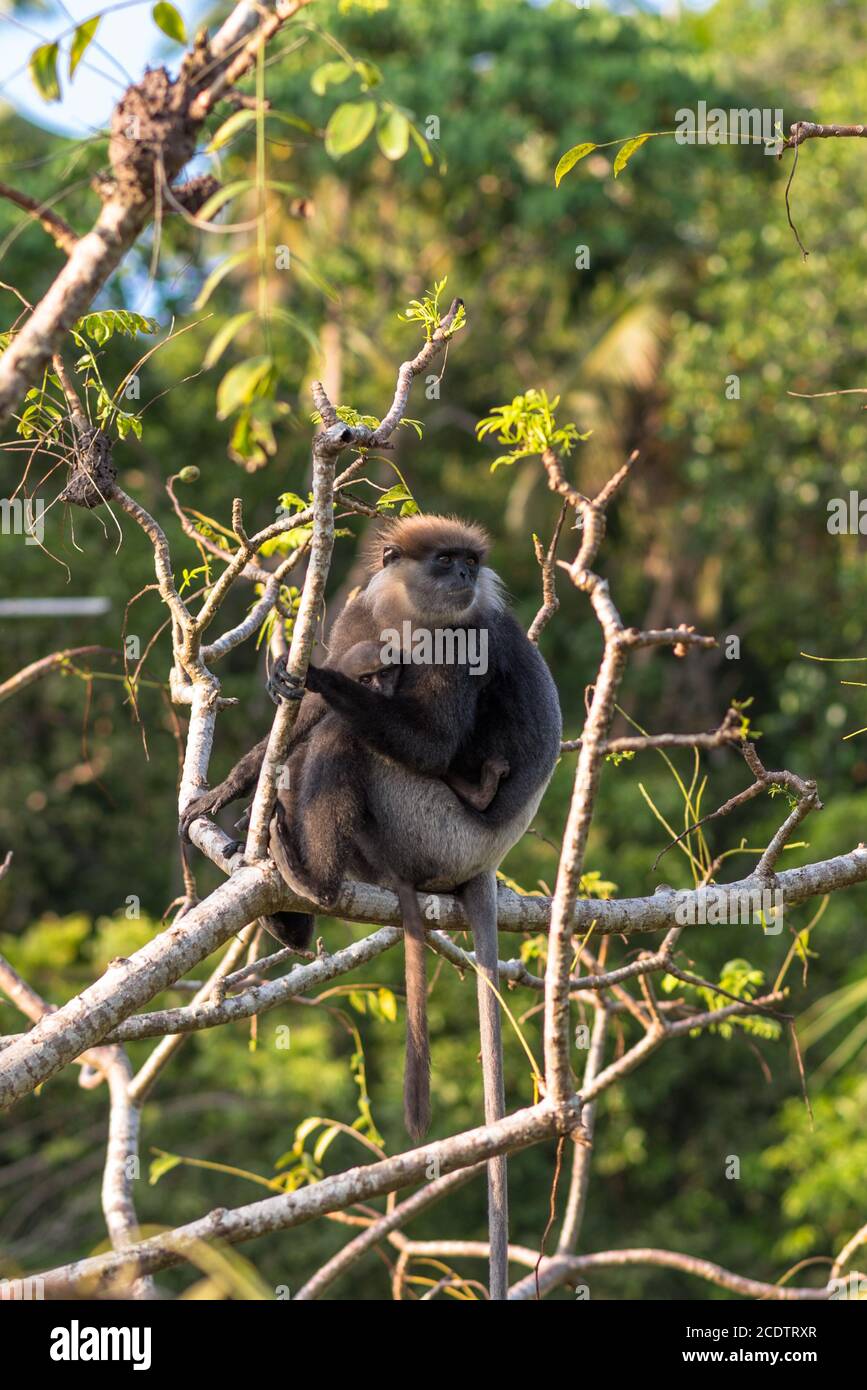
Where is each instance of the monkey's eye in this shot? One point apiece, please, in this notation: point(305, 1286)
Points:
point(473, 561)
point(444, 559)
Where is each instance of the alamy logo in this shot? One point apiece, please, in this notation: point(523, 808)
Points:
point(716, 907)
point(738, 126)
point(77, 1343)
point(22, 1290)
point(440, 646)
point(23, 517)
point(847, 516)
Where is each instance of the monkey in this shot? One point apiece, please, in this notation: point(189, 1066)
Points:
point(311, 851)
point(443, 718)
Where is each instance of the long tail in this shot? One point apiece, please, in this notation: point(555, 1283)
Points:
point(480, 902)
point(416, 1076)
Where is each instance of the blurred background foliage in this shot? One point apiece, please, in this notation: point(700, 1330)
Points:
point(693, 276)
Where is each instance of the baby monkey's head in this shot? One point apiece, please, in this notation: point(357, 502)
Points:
point(363, 663)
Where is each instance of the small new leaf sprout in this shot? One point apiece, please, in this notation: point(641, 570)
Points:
point(776, 790)
point(399, 493)
point(593, 885)
point(190, 575)
point(741, 979)
point(291, 502)
point(103, 325)
point(284, 612)
point(350, 416)
point(529, 426)
point(427, 312)
point(189, 474)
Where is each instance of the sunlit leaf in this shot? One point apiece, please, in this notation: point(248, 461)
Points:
point(162, 1164)
point(387, 1004)
point(233, 190)
point(398, 493)
point(238, 120)
point(43, 70)
point(81, 41)
point(240, 383)
point(424, 148)
point(392, 134)
point(570, 159)
point(324, 1142)
point(223, 338)
point(348, 126)
point(298, 325)
point(625, 153)
point(330, 75)
point(167, 18)
point(220, 272)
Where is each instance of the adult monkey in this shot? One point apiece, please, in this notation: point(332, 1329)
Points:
point(445, 718)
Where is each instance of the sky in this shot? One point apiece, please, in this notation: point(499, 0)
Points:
point(130, 35)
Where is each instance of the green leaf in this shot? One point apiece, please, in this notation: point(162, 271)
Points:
point(369, 73)
point(223, 134)
point(330, 75)
point(104, 324)
point(220, 272)
point(349, 125)
point(239, 120)
point(324, 1142)
point(625, 153)
point(166, 17)
point(224, 195)
point(570, 159)
point(299, 326)
point(398, 493)
point(43, 71)
point(240, 383)
point(162, 1164)
point(392, 134)
point(233, 190)
point(297, 121)
point(223, 338)
point(81, 41)
point(421, 142)
point(306, 1127)
point(388, 1004)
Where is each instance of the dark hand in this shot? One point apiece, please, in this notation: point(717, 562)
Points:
point(282, 685)
point(205, 805)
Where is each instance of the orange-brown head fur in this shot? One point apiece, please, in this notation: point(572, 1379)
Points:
point(416, 536)
point(431, 570)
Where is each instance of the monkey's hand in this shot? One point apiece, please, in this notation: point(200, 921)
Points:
point(206, 805)
point(282, 685)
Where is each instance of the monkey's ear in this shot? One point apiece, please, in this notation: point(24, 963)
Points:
point(390, 553)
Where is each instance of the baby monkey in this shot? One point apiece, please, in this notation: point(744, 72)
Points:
point(363, 663)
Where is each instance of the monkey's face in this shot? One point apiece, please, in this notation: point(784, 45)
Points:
point(441, 584)
point(384, 680)
point(364, 663)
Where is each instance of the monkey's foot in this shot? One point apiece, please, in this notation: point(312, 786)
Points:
point(282, 685)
